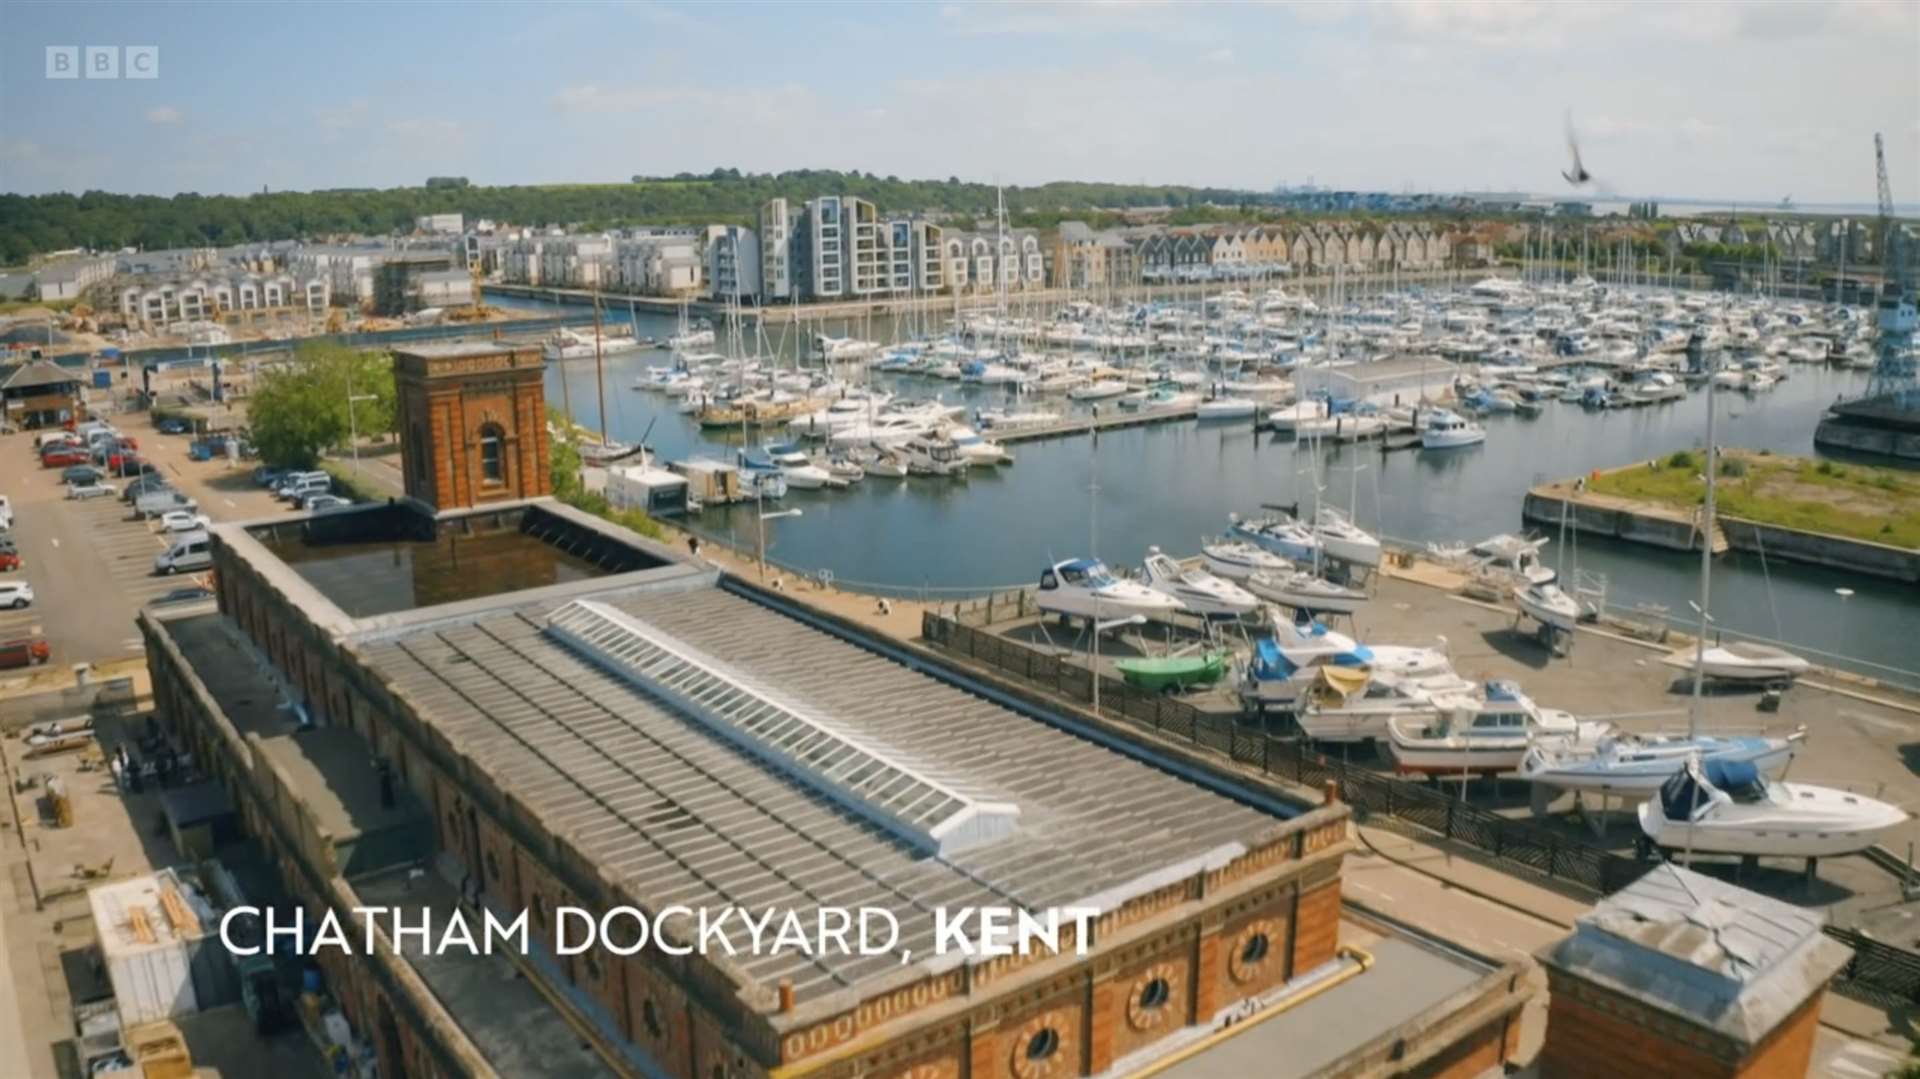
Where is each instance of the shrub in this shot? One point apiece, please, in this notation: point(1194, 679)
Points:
point(1681, 459)
point(1733, 466)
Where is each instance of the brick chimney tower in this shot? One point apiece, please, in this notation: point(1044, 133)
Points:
point(473, 423)
point(1680, 974)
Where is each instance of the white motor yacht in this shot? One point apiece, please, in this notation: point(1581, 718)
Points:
point(1726, 807)
point(799, 469)
point(934, 455)
point(1341, 538)
point(1099, 390)
point(1548, 605)
point(1445, 431)
point(1197, 590)
point(1085, 588)
point(1743, 661)
point(1237, 560)
point(1226, 408)
point(976, 448)
point(1285, 661)
point(1278, 533)
point(1485, 733)
point(1289, 417)
point(1518, 556)
point(1348, 704)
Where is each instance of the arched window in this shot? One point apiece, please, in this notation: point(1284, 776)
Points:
point(493, 454)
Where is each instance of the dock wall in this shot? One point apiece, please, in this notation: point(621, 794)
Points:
point(1661, 526)
point(1839, 433)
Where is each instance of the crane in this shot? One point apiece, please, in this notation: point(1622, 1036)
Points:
point(1893, 371)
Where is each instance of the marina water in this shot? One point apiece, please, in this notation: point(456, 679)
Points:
point(1170, 484)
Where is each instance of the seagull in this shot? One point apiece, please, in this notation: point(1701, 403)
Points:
point(1578, 175)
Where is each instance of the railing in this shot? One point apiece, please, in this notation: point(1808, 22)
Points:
point(1880, 974)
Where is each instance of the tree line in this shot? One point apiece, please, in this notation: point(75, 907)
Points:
point(36, 224)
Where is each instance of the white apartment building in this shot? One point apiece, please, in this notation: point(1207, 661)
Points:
point(189, 298)
point(348, 271)
point(982, 262)
point(828, 277)
point(926, 259)
point(450, 224)
point(69, 279)
point(733, 263)
point(776, 251)
point(658, 265)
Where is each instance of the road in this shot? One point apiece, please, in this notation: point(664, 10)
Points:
point(91, 563)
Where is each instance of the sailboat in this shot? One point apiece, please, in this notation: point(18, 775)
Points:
point(1638, 765)
point(1236, 560)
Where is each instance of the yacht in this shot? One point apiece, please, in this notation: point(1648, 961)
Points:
point(1547, 605)
point(1288, 418)
point(1747, 662)
point(1445, 431)
point(1197, 590)
point(799, 469)
point(1237, 560)
point(1304, 591)
point(977, 449)
point(700, 337)
point(1636, 766)
point(1345, 704)
point(1485, 733)
point(1517, 556)
point(934, 455)
point(834, 349)
point(1286, 661)
point(1278, 533)
point(1099, 390)
point(1226, 408)
point(1727, 807)
point(569, 344)
point(1085, 588)
point(1341, 538)
point(1003, 418)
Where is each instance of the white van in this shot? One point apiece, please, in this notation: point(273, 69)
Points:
point(312, 485)
point(189, 553)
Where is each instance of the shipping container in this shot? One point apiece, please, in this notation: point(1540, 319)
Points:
point(160, 944)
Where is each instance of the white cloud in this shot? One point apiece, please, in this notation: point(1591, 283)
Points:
point(1220, 56)
point(342, 117)
point(165, 115)
point(1052, 17)
point(427, 129)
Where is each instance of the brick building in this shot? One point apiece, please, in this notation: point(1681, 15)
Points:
point(512, 706)
point(475, 418)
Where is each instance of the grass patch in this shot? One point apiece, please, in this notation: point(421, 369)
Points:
point(1858, 501)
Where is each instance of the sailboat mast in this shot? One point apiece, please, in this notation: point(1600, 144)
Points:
point(599, 371)
point(1706, 579)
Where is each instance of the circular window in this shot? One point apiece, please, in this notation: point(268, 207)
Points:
point(1250, 951)
point(1148, 999)
point(1043, 1044)
point(650, 1018)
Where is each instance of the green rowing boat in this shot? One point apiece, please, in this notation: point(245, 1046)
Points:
point(1173, 672)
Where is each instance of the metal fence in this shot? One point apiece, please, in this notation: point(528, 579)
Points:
point(1881, 974)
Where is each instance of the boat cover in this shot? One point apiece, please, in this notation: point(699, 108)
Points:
point(1686, 792)
point(1346, 681)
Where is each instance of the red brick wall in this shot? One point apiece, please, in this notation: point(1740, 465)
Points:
point(657, 1017)
point(1004, 1051)
point(1477, 1054)
point(445, 414)
point(1583, 1041)
point(1124, 1015)
point(1317, 935)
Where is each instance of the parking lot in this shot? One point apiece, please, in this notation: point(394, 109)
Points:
point(91, 562)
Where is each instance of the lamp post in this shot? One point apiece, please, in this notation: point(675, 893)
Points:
point(353, 426)
point(762, 519)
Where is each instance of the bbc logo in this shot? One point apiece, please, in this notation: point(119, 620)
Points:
point(103, 62)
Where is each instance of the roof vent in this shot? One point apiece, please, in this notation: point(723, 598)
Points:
point(938, 816)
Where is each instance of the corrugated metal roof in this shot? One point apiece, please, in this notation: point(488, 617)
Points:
point(685, 817)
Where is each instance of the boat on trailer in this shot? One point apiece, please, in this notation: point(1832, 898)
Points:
point(1728, 807)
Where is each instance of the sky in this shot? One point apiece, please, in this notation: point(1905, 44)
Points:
point(1751, 101)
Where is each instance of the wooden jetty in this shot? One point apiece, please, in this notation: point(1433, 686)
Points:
point(1080, 425)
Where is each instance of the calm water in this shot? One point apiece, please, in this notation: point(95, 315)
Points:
point(1170, 485)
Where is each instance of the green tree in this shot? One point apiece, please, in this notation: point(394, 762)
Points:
point(564, 464)
point(301, 409)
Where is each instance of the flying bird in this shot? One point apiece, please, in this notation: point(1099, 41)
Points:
point(1578, 175)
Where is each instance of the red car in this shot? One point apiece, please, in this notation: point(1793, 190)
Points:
point(23, 652)
point(64, 456)
point(9, 561)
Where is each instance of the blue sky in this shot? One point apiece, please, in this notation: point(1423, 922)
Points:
point(1749, 101)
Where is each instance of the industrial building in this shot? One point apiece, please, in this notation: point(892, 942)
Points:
point(476, 698)
point(1392, 381)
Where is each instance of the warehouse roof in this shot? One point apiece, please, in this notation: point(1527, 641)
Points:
point(619, 763)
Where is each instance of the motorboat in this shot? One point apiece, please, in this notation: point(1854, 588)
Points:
point(1226, 408)
point(1637, 765)
point(1445, 430)
point(1301, 590)
point(1236, 560)
point(1278, 533)
point(1745, 661)
point(886, 463)
point(760, 476)
point(1348, 704)
point(998, 418)
point(1728, 807)
point(799, 469)
point(934, 455)
point(1197, 590)
point(1099, 390)
point(976, 448)
point(839, 349)
point(1285, 661)
point(1518, 556)
point(1342, 539)
point(570, 344)
point(1548, 605)
point(1288, 418)
point(1485, 733)
point(1085, 588)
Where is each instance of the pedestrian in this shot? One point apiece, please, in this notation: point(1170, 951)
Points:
point(693, 546)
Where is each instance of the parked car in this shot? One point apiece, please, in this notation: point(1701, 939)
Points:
point(96, 489)
point(141, 486)
point(16, 594)
point(63, 456)
point(299, 490)
point(6, 514)
point(9, 559)
point(81, 474)
point(24, 652)
point(183, 595)
point(183, 521)
point(165, 500)
point(173, 425)
point(268, 476)
point(317, 503)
